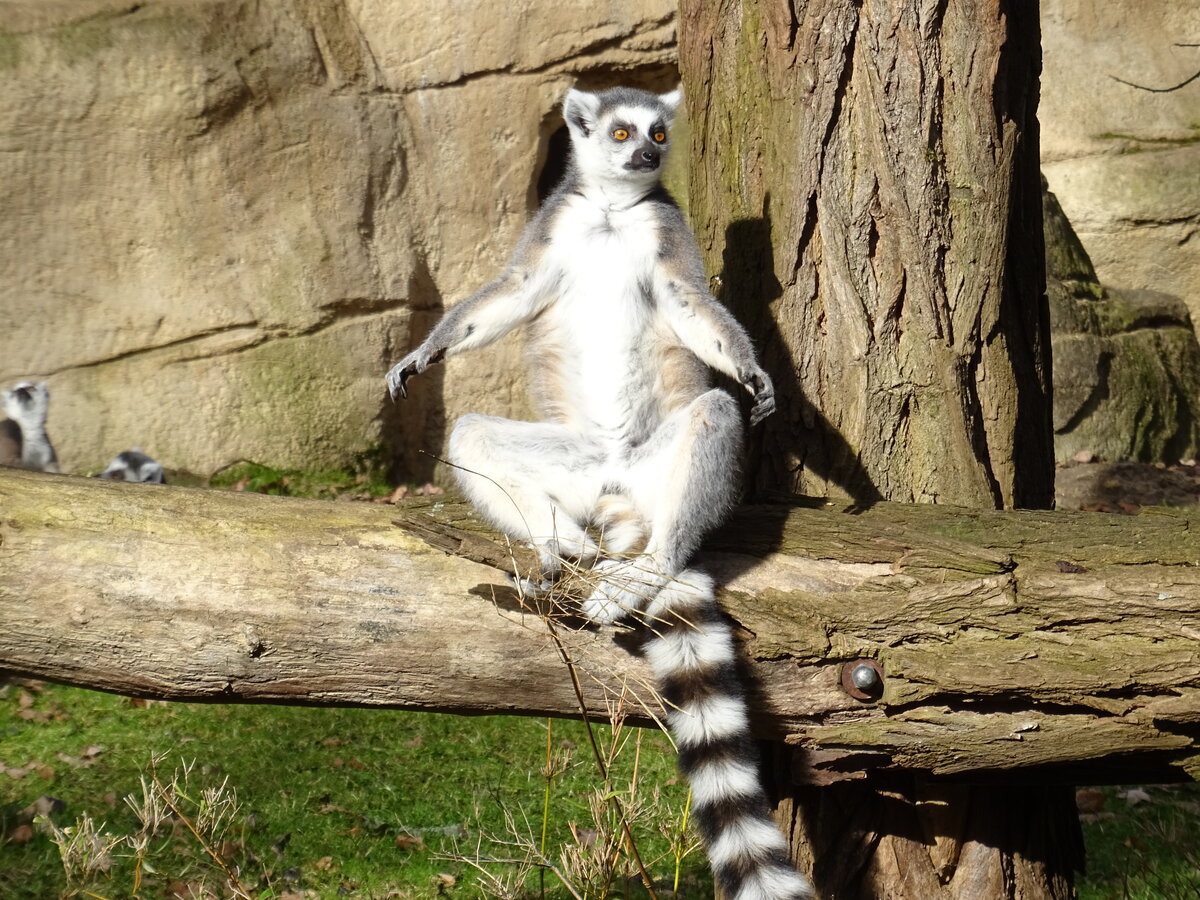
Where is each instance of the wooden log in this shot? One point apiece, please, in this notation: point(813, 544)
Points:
point(1055, 645)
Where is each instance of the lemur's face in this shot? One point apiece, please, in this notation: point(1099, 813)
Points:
point(25, 401)
point(620, 135)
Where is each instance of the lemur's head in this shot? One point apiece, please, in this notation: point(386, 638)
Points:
point(26, 403)
point(620, 135)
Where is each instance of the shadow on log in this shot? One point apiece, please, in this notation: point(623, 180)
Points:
point(1053, 645)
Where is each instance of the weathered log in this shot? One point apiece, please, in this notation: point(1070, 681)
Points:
point(1049, 644)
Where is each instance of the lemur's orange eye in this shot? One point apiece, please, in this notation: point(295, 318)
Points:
point(620, 134)
point(660, 136)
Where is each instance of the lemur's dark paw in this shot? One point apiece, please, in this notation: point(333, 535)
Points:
point(400, 373)
point(758, 383)
point(763, 407)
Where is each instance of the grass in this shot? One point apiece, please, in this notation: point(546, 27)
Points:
point(350, 803)
point(332, 802)
point(366, 480)
point(1143, 844)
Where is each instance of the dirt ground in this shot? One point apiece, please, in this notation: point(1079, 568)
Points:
point(1125, 487)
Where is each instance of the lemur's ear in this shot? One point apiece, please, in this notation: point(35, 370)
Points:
point(580, 109)
point(672, 100)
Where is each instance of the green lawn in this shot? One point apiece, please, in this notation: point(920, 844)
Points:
point(332, 802)
point(378, 804)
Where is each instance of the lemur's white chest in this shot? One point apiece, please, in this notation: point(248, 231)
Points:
point(604, 316)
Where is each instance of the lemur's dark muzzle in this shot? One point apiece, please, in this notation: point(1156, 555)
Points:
point(645, 158)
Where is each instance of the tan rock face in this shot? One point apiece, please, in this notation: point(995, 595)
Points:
point(1124, 162)
point(223, 220)
point(1126, 362)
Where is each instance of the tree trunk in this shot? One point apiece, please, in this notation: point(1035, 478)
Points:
point(865, 181)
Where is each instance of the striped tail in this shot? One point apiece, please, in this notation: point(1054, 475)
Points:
point(692, 654)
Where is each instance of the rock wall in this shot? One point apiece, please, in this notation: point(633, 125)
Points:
point(1125, 162)
point(222, 220)
point(1126, 362)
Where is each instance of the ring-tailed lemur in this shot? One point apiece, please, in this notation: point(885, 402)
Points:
point(23, 433)
point(134, 465)
point(633, 441)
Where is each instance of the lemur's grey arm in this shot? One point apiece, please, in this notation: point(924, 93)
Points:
point(710, 331)
point(486, 316)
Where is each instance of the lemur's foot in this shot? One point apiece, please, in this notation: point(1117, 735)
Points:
point(529, 587)
point(625, 587)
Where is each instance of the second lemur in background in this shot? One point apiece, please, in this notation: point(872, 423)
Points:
point(633, 442)
point(134, 465)
point(23, 438)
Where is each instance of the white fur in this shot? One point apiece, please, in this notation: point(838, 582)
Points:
point(30, 415)
point(722, 779)
point(691, 648)
point(749, 837)
point(603, 314)
point(713, 719)
point(772, 882)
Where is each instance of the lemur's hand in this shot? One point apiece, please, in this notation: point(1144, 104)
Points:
point(758, 383)
point(413, 364)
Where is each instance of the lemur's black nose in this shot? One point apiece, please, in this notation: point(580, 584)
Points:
point(644, 160)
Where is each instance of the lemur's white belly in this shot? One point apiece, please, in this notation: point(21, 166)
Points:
point(605, 321)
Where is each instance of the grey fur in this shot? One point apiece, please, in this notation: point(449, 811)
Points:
point(24, 441)
point(134, 465)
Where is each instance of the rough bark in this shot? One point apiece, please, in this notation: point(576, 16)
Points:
point(865, 183)
point(1035, 645)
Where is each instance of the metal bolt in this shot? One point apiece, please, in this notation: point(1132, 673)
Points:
point(863, 679)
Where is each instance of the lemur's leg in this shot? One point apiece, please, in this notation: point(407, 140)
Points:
point(684, 480)
point(535, 481)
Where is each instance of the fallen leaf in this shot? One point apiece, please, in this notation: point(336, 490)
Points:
point(22, 834)
point(410, 842)
point(1089, 800)
point(324, 864)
